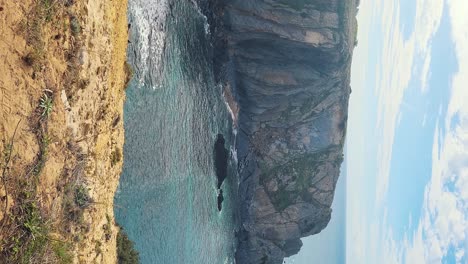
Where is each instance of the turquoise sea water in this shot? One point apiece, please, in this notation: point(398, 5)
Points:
point(166, 200)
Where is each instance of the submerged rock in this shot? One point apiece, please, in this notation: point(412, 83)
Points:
point(288, 63)
point(221, 155)
point(220, 199)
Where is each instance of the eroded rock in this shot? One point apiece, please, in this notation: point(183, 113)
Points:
point(289, 67)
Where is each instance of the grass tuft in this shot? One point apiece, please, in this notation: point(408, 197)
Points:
point(75, 25)
point(41, 14)
point(76, 199)
point(82, 198)
point(63, 252)
point(46, 105)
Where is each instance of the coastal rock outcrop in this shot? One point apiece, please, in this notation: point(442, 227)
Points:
point(288, 64)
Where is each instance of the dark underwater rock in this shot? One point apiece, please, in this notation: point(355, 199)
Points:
point(221, 156)
point(220, 199)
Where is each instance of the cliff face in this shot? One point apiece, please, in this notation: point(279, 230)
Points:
point(290, 69)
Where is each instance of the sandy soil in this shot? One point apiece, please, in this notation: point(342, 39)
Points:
point(82, 50)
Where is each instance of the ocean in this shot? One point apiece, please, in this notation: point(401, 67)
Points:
point(173, 115)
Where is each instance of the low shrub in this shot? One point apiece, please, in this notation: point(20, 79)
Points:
point(126, 253)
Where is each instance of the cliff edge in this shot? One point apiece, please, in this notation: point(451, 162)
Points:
point(288, 63)
point(62, 79)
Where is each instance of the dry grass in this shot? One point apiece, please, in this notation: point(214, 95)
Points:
point(68, 147)
point(40, 15)
point(27, 228)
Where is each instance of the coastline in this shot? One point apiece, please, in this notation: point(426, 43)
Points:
point(72, 56)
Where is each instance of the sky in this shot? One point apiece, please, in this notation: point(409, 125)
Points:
point(407, 145)
point(406, 184)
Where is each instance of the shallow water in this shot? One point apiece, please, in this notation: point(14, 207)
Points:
point(167, 198)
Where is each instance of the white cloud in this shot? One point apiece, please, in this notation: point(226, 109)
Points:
point(399, 117)
point(395, 72)
point(425, 73)
point(444, 218)
point(355, 236)
point(428, 16)
point(443, 226)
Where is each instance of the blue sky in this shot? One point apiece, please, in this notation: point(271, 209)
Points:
point(407, 141)
point(407, 145)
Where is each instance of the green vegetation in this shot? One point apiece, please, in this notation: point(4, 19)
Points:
point(126, 254)
point(32, 236)
point(7, 151)
point(45, 107)
point(41, 14)
point(29, 234)
point(282, 199)
point(47, 8)
point(300, 172)
point(46, 104)
point(63, 252)
point(42, 155)
point(76, 199)
point(75, 26)
point(82, 198)
point(25, 229)
point(116, 156)
point(33, 222)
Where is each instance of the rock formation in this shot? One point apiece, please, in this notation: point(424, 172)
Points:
point(288, 63)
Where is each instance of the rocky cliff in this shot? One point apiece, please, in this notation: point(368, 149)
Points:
point(289, 66)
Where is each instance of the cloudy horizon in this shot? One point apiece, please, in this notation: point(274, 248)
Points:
point(407, 192)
